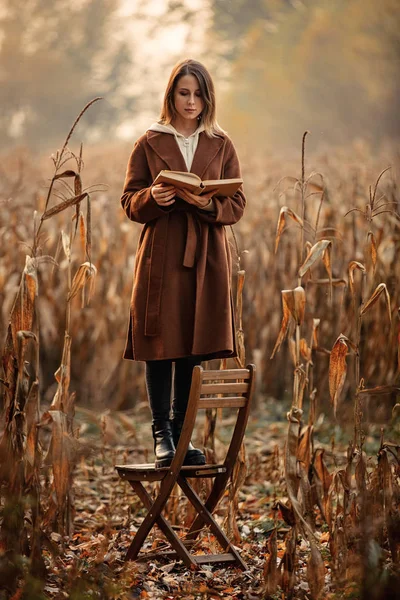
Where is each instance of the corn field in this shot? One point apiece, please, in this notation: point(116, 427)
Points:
point(317, 286)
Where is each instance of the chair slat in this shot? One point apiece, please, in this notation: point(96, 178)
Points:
point(226, 402)
point(203, 559)
point(224, 388)
point(200, 559)
point(226, 375)
point(148, 472)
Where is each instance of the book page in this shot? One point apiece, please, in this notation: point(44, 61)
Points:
point(177, 178)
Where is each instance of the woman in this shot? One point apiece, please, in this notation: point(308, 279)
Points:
point(181, 310)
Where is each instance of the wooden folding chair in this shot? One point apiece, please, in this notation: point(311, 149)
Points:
point(210, 389)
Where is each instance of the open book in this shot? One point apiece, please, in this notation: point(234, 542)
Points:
point(193, 183)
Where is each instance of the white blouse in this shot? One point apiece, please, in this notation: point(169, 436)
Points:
point(187, 145)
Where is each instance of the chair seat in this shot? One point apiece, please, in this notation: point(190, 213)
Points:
point(148, 472)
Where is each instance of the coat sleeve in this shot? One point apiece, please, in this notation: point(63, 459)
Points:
point(136, 199)
point(228, 210)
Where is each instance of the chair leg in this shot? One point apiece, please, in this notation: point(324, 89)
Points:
point(154, 512)
point(207, 519)
point(217, 491)
point(134, 548)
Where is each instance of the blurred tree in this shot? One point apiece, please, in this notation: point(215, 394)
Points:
point(331, 66)
point(54, 57)
point(233, 18)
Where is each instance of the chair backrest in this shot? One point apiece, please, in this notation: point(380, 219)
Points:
point(228, 388)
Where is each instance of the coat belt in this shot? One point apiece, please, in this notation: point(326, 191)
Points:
point(156, 272)
point(191, 241)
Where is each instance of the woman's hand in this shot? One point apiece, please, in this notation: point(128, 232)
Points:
point(163, 194)
point(199, 201)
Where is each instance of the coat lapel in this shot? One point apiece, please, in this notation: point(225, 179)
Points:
point(166, 147)
point(206, 151)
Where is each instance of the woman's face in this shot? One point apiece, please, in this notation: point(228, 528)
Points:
point(188, 100)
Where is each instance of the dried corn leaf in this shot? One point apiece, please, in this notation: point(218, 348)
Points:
point(241, 357)
point(312, 186)
point(270, 570)
point(82, 232)
point(294, 418)
point(289, 562)
point(305, 350)
point(61, 455)
point(325, 479)
point(352, 267)
point(32, 418)
point(322, 470)
point(385, 480)
point(21, 318)
point(63, 377)
point(330, 232)
point(299, 384)
point(304, 447)
point(285, 213)
point(316, 574)
point(372, 249)
point(360, 473)
point(287, 513)
point(307, 501)
point(316, 324)
point(284, 326)
point(337, 369)
point(317, 251)
point(86, 272)
point(293, 304)
point(63, 205)
point(291, 471)
point(381, 288)
point(296, 303)
point(69, 407)
point(65, 174)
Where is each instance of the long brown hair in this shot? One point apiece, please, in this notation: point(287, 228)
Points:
point(208, 116)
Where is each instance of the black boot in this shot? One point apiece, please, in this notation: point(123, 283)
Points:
point(164, 447)
point(194, 456)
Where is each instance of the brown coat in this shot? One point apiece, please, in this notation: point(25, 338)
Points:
point(181, 299)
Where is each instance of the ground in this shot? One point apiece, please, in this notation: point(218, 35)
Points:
point(90, 563)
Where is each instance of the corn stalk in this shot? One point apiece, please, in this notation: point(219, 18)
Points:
point(20, 452)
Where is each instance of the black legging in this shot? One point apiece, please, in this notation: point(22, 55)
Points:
point(159, 384)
